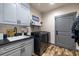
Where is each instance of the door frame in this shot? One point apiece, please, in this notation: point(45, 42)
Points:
point(63, 15)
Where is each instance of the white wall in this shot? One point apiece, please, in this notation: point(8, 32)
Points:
point(35, 12)
point(49, 18)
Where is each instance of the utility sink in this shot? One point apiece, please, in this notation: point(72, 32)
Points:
point(17, 38)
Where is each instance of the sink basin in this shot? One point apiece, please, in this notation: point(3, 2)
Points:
point(17, 38)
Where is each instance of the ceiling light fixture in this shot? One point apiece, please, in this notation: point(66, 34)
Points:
point(51, 3)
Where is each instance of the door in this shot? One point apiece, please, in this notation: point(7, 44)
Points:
point(9, 13)
point(63, 25)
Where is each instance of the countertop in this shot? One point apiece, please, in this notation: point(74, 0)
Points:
point(14, 39)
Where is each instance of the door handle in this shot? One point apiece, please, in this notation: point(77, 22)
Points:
point(56, 32)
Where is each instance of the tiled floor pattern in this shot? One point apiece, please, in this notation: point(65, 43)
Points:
point(53, 50)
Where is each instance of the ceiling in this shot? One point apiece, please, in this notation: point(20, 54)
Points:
point(44, 7)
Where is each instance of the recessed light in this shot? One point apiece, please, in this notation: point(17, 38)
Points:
point(51, 3)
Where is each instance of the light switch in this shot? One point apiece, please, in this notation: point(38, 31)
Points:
point(1, 36)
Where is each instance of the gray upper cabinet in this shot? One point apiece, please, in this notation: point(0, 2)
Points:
point(22, 15)
point(12, 13)
point(1, 12)
point(28, 17)
point(9, 11)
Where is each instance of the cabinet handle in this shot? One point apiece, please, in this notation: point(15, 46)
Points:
point(22, 50)
point(18, 22)
point(56, 32)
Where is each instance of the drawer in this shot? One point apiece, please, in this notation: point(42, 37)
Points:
point(15, 52)
point(11, 46)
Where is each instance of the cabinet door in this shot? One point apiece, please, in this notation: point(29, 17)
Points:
point(23, 51)
point(9, 13)
point(1, 12)
point(28, 16)
point(29, 50)
point(22, 15)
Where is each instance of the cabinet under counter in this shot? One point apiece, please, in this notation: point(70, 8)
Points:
point(22, 47)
